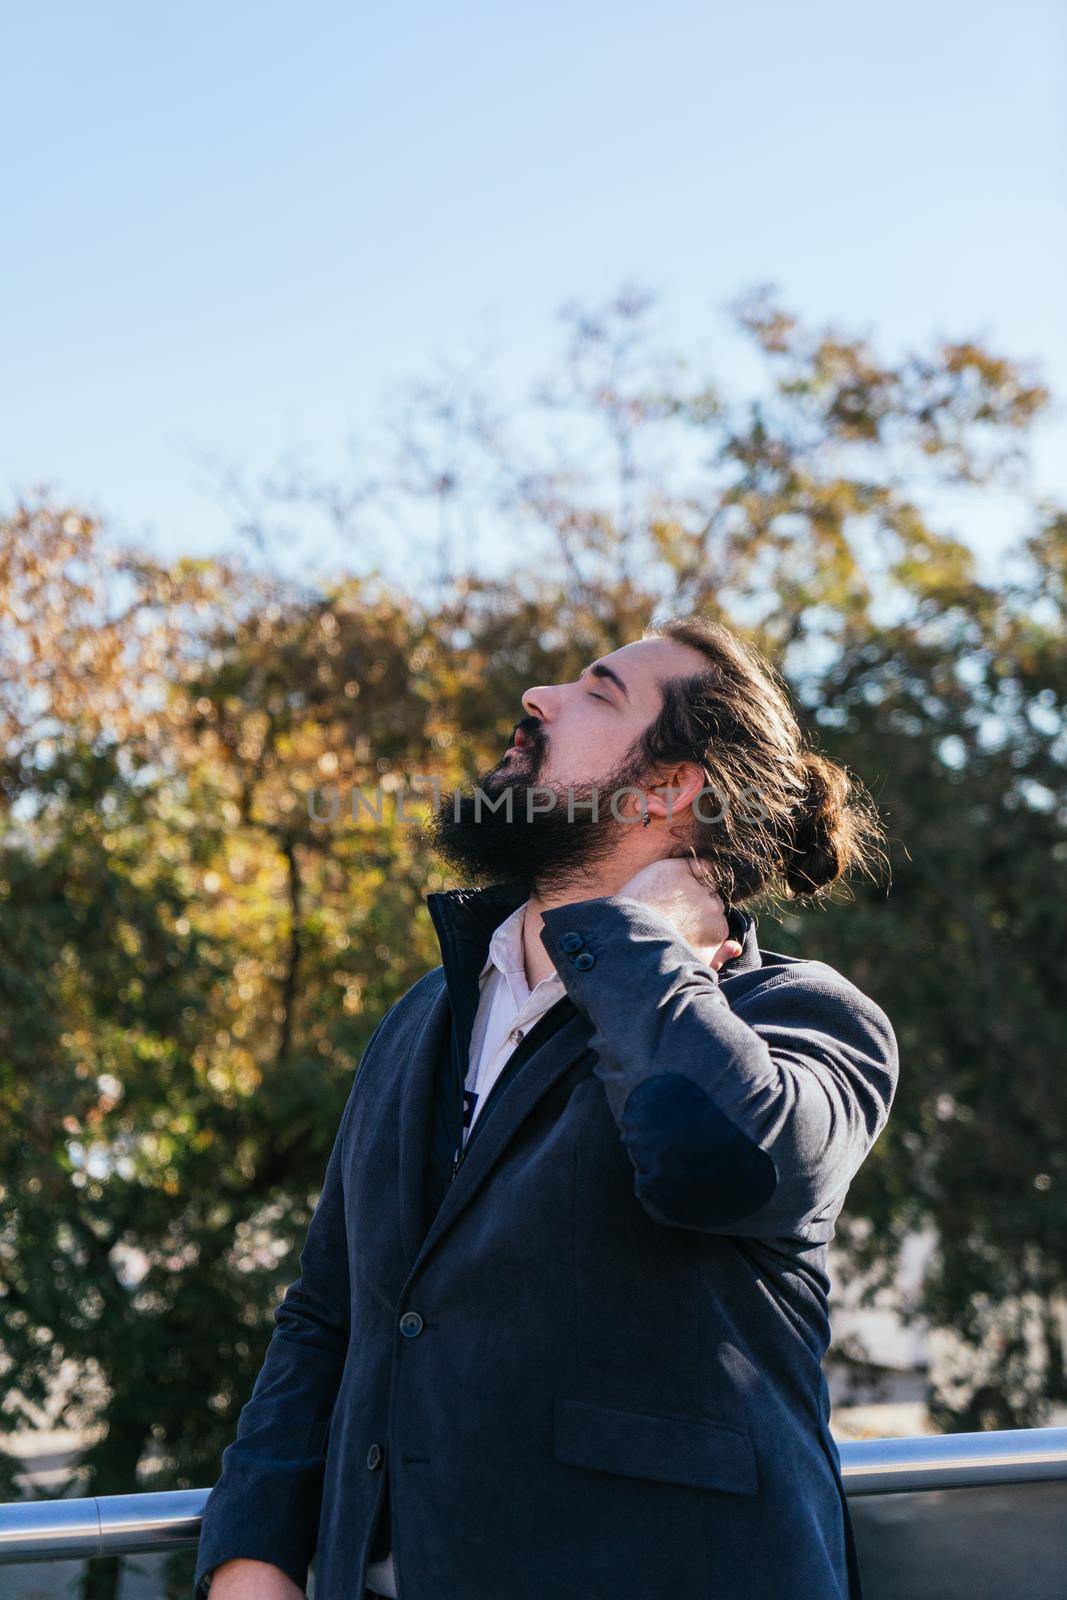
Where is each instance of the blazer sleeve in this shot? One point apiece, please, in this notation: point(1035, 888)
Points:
point(749, 1121)
point(266, 1503)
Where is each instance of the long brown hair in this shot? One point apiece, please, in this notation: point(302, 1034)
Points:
point(788, 821)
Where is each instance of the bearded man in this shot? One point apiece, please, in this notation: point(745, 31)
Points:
point(563, 1302)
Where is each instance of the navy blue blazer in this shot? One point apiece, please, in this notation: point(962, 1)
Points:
point(594, 1368)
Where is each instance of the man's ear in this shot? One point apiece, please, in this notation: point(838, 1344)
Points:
point(673, 793)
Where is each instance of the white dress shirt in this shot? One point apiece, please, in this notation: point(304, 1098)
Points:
point(507, 1010)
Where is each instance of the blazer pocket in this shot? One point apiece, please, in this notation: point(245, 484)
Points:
point(694, 1451)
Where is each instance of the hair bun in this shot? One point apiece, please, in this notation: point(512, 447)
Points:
point(823, 830)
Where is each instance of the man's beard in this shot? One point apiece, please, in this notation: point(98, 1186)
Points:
point(551, 849)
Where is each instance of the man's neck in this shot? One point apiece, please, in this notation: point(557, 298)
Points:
point(537, 960)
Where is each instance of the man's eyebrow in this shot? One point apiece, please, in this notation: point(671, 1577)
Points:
point(599, 670)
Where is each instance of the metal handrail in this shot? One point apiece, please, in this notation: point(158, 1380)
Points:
point(130, 1524)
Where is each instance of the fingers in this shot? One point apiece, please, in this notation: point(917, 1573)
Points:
point(725, 952)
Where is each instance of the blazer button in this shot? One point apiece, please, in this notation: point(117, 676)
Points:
point(375, 1457)
point(584, 961)
point(410, 1324)
point(571, 941)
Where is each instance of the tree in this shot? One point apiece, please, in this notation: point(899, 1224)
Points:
point(193, 952)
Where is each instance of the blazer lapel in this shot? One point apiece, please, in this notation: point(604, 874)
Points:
point(431, 1089)
point(518, 1098)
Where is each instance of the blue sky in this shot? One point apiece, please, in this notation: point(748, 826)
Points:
point(232, 228)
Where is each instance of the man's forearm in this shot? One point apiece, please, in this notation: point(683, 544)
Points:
point(243, 1579)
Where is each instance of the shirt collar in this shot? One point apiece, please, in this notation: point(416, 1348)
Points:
point(505, 946)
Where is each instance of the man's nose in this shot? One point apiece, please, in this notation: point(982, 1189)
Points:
point(538, 702)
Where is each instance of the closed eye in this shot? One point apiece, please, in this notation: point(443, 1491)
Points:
point(603, 697)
